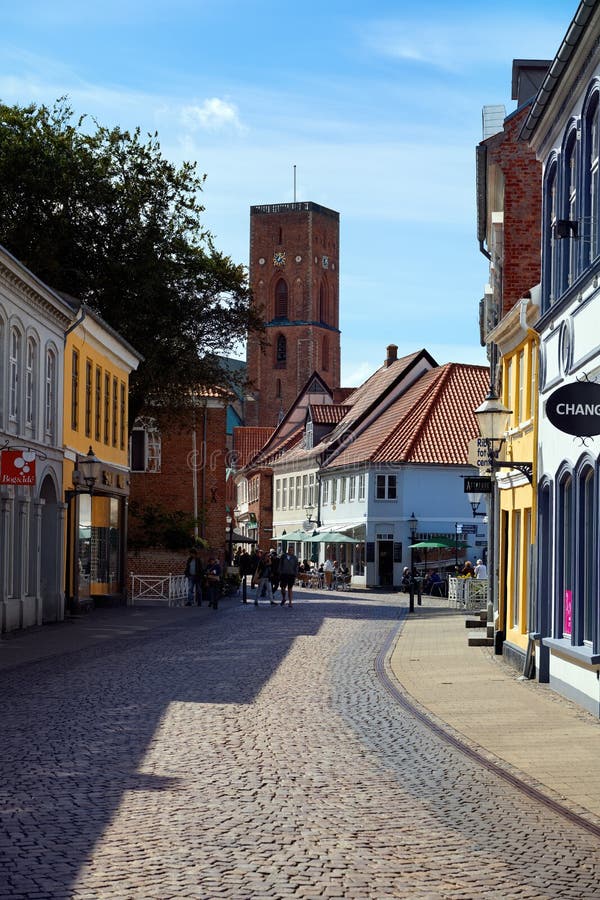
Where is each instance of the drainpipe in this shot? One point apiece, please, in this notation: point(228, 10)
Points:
point(195, 476)
point(204, 433)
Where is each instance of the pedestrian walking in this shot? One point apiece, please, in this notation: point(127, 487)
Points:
point(274, 572)
point(288, 572)
point(213, 580)
point(194, 574)
point(263, 579)
point(329, 569)
point(480, 570)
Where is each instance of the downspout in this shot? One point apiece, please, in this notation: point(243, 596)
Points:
point(204, 432)
point(195, 475)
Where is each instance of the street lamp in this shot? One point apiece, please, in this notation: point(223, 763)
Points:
point(412, 524)
point(309, 510)
point(229, 520)
point(475, 500)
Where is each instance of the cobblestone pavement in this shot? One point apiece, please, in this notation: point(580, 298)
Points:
point(254, 753)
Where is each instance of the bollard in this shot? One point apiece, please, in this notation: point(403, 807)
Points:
point(419, 585)
point(244, 598)
point(411, 596)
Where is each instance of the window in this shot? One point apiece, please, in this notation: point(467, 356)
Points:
point(298, 498)
point(516, 568)
point(550, 244)
point(281, 352)
point(145, 446)
point(311, 489)
point(106, 407)
point(281, 300)
point(565, 555)
point(14, 364)
point(88, 398)
point(30, 379)
point(75, 390)
point(278, 493)
point(361, 487)
point(325, 490)
point(123, 416)
point(589, 554)
point(592, 183)
point(343, 490)
point(351, 489)
point(284, 493)
point(50, 394)
point(334, 489)
point(569, 244)
point(520, 387)
point(309, 435)
point(115, 410)
point(508, 388)
point(98, 404)
point(385, 487)
point(304, 491)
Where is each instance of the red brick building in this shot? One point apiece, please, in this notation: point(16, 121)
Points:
point(294, 275)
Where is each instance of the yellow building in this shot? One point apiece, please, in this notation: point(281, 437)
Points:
point(516, 523)
point(98, 363)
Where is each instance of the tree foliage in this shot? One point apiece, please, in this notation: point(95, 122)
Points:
point(100, 214)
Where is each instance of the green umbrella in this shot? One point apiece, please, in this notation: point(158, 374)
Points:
point(335, 537)
point(295, 536)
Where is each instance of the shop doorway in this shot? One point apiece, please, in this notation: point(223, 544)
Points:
point(385, 563)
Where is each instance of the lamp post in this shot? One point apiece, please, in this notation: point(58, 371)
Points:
point(309, 510)
point(412, 524)
point(492, 421)
point(85, 475)
point(229, 520)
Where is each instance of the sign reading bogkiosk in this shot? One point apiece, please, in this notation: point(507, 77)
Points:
point(575, 408)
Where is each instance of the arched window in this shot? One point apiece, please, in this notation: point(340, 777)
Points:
point(325, 354)
point(322, 303)
point(588, 551)
point(591, 182)
point(281, 352)
point(50, 395)
point(549, 286)
point(30, 382)
point(281, 299)
point(569, 243)
point(14, 374)
point(565, 556)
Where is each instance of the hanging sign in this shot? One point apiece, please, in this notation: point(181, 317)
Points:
point(575, 408)
point(17, 467)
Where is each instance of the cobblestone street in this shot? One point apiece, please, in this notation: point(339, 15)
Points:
point(255, 753)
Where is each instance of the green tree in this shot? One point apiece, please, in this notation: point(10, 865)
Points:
point(98, 213)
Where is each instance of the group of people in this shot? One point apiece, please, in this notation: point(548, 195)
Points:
point(270, 573)
point(433, 583)
point(203, 581)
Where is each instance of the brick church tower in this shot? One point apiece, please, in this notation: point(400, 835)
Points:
point(294, 276)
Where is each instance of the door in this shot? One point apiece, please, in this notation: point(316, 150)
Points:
point(385, 563)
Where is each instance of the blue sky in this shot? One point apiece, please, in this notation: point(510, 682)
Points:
point(377, 105)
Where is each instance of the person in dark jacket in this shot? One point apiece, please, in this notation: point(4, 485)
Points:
point(213, 580)
point(194, 574)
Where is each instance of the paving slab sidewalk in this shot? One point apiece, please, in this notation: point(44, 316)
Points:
point(526, 725)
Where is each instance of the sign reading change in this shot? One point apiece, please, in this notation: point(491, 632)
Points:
point(575, 408)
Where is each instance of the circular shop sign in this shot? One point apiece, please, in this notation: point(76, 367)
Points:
point(575, 408)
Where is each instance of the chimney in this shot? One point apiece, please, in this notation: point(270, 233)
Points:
point(392, 355)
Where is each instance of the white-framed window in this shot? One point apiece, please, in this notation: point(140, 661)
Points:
point(325, 492)
point(361, 487)
point(30, 382)
point(343, 489)
point(334, 491)
point(304, 491)
point(14, 365)
point(50, 394)
point(351, 489)
point(298, 497)
point(311, 489)
point(284, 493)
point(385, 487)
point(145, 446)
point(278, 493)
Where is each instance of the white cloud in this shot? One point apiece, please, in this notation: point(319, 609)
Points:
point(212, 115)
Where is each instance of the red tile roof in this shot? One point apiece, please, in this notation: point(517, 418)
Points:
point(432, 422)
point(328, 413)
point(248, 441)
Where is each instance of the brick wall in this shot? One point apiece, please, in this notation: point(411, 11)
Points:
point(522, 210)
point(172, 489)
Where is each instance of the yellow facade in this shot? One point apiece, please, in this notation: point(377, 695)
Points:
point(95, 414)
point(517, 498)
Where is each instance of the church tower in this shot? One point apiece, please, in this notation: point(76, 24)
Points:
point(294, 276)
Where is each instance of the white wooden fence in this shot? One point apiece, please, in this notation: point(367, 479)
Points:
point(467, 593)
point(157, 590)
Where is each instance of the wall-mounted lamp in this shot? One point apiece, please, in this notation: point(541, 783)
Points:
point(86, 472)
point(492, 419)
point(475, 500)
point(309, 510)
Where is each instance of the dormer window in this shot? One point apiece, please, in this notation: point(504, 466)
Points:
point(309, 435)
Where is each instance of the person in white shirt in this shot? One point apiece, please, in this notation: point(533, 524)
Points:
point(329, 569)
point(480, 570)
